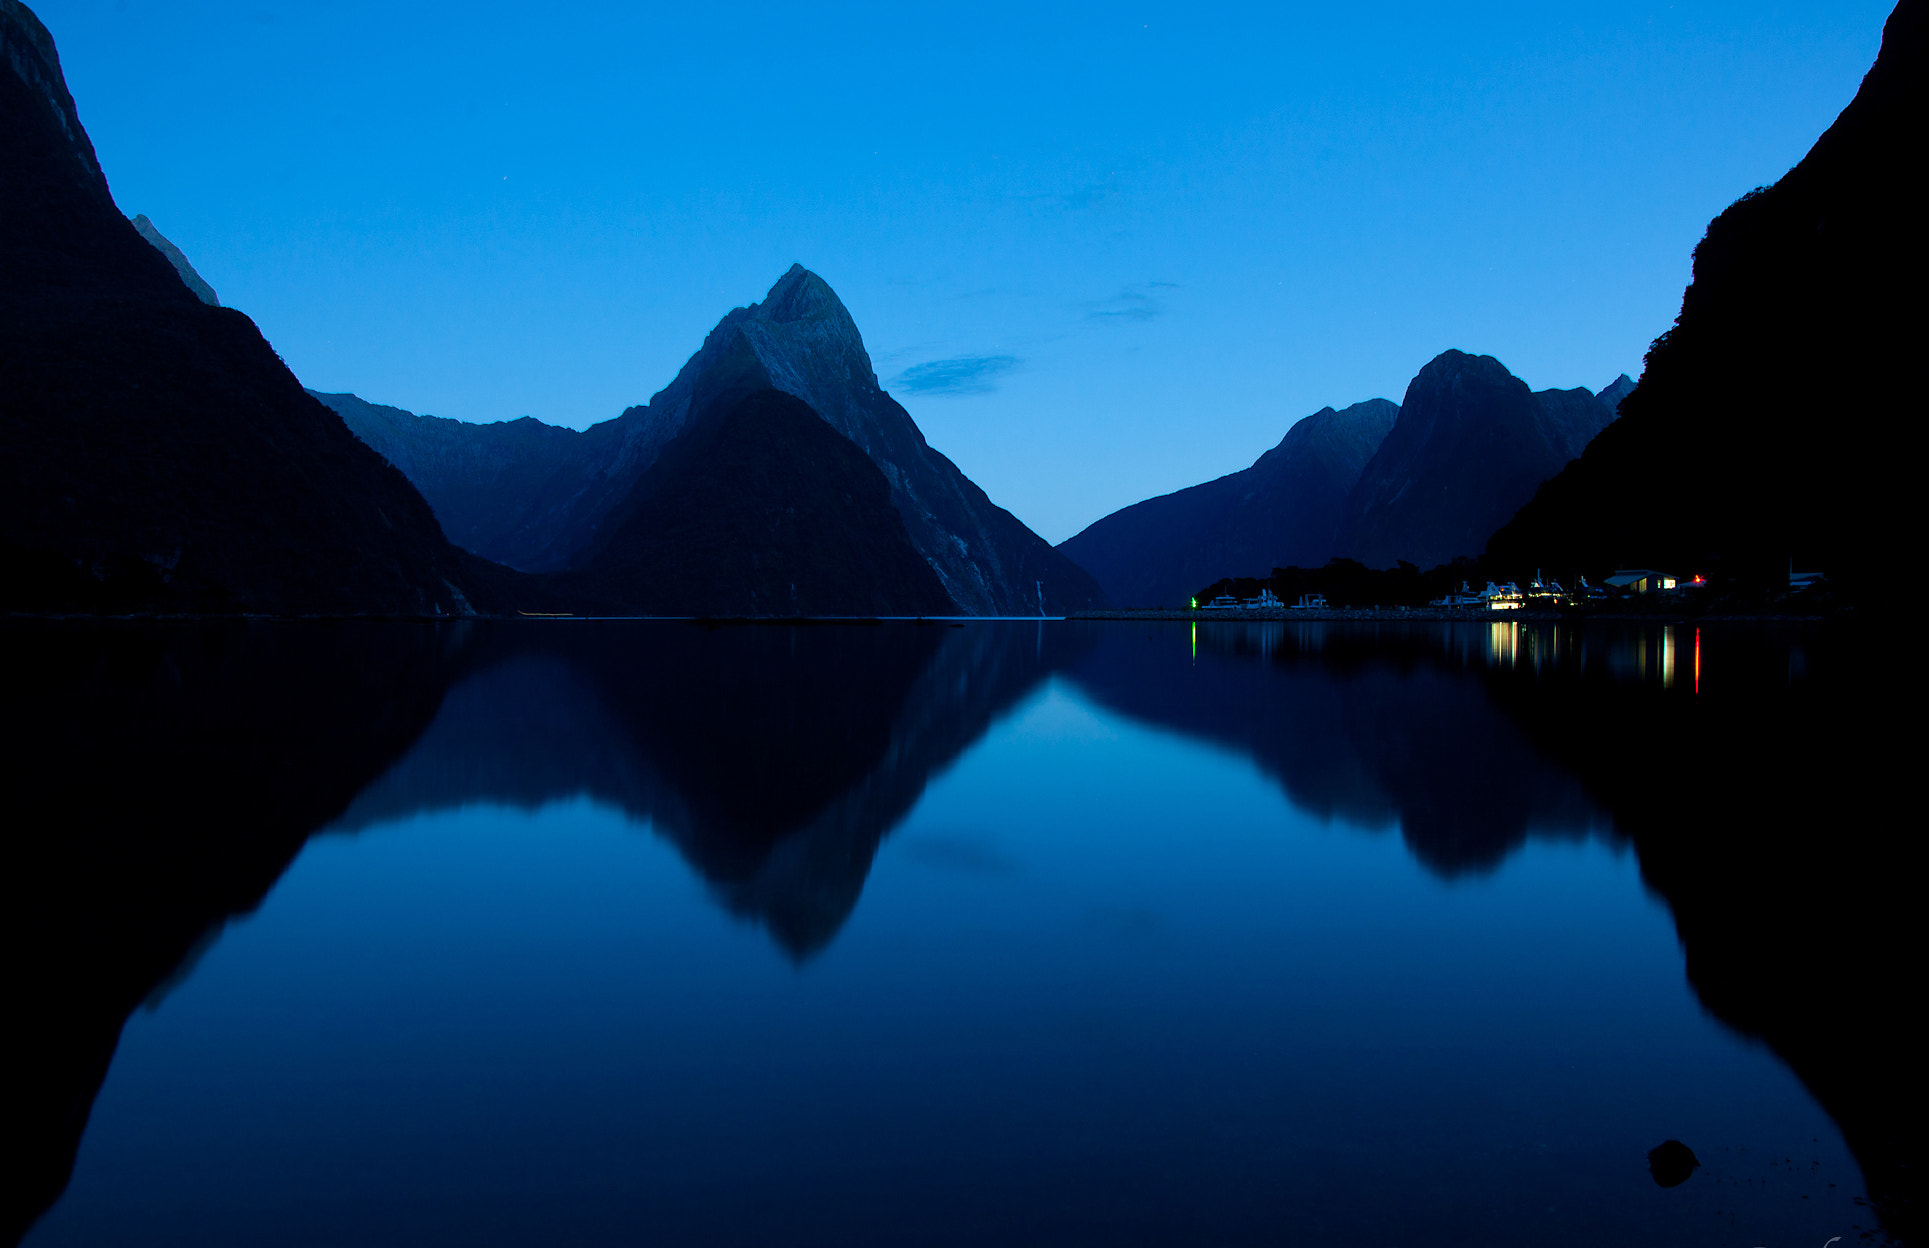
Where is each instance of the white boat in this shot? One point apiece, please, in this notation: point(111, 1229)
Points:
point(1464, 597)
point(1310, 602)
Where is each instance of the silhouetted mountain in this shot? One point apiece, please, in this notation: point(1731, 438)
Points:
point(799, 340)
point(761, 509)
point(1282, 511)
point(175, 257)
point(154, 451)
point(1615, 391)
point(1471, 445)
point(1736, 453)
point(491, 486)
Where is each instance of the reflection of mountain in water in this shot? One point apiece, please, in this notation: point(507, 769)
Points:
point(161, 779)
point(184, 767)
point(775, 758)
point(1760, 795)
point(1371, 727)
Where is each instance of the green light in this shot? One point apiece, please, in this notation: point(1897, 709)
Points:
point(1195, 604)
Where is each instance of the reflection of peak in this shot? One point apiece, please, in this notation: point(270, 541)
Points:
point(775, 759)
point(1353, 727)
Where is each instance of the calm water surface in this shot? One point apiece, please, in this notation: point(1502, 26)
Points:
point(1053, 934)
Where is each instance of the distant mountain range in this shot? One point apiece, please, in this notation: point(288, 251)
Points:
point(1755, 439)
point(550, 500)
point(1425, 481)
point(155, 453)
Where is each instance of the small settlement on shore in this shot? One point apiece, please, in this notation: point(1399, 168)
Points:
point(1541, 597)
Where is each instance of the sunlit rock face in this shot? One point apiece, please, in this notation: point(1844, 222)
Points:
point(801, 341)
point(1284, 510)
point(1735, 456)
point(155, 453)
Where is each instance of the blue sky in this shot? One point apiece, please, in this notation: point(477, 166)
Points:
point(1100, 252)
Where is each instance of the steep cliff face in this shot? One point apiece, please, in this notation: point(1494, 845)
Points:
point(761, 509)
point(1803, 307)
point(1284, 510)
point(154, 451)
point(1471, 445)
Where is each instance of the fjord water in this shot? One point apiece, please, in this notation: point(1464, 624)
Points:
point(600, 932)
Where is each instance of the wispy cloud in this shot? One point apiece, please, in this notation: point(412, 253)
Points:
point(964, 374)
point(1135, 303)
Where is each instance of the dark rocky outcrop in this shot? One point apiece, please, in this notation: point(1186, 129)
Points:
point(1283, 510)
point(1471, 445)
point(192, 280)
point(761, 509)
point(494, 487)
point(800, 340)
point(154, 451)
point(1759, 430)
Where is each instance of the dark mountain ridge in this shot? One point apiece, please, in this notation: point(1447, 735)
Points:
point(493, 487)
point(1734, 457)
point(155, 453)
point(1426, 481)
point(801, 341)
point(1471, 445)
point(1284, 509)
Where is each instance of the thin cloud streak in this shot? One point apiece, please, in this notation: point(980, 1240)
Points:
point(965, 374)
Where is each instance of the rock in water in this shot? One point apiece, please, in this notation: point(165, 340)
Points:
point(1671, 1163)
point(155, 453)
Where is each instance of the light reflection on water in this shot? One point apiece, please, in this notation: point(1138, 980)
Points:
point(1072, 935)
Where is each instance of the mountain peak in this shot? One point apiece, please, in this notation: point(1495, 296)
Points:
point(1612, 393)
point(177, 258)
point(800, 294)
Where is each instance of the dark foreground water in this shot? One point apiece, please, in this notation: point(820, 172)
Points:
point(615, 933)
